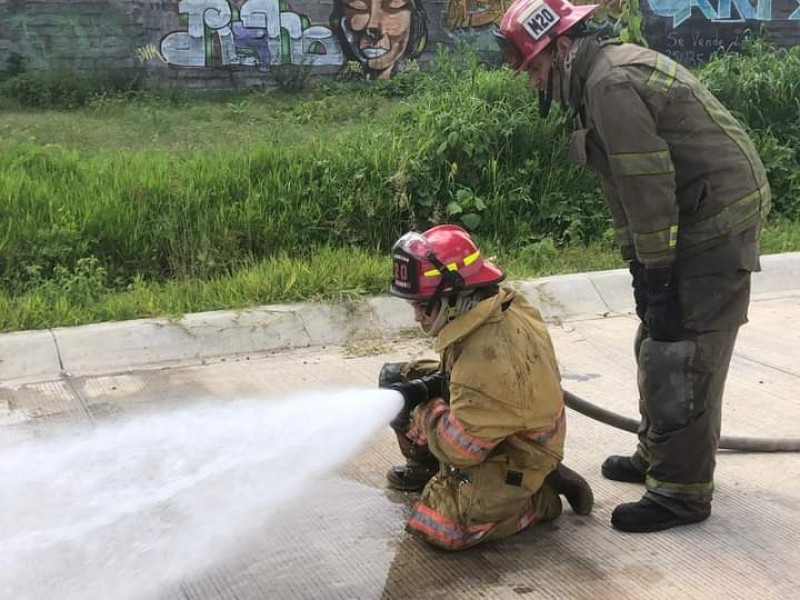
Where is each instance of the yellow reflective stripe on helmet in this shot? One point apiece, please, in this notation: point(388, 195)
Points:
point(641, 163)
point(663, 75)
point(471, 258)
point(468, 260)
point(435, 272)
point(728, 219)
point(656, 242)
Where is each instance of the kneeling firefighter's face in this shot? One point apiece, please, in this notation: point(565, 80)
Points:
point(426, 321)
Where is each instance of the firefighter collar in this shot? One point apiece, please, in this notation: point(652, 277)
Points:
point(485, 311)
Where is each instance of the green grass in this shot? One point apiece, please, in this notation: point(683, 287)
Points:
point(330, 275)
point(195, 123)
point(143, 204)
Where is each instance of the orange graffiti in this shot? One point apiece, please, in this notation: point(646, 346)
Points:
point(463, 14)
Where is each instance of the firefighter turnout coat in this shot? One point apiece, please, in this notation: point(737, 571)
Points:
point(680, 175)
point(502, 431)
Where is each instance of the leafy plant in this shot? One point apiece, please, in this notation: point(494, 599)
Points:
point(466, 208)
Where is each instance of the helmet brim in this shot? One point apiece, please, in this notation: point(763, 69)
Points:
point(488, 274)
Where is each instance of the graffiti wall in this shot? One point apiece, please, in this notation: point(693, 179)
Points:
point(233, 43)
point(692, 30)
point(215, 43)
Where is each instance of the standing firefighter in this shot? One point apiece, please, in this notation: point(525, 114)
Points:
point(483, 429)
point(687, 193)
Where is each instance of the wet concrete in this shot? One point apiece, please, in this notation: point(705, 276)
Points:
point(345, 538)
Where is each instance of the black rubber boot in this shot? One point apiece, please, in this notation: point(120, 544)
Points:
point(409, 478)
point(573, 487)
point(646, 516)
point(622, 468)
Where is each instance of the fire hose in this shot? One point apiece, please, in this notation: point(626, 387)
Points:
point(742, 444)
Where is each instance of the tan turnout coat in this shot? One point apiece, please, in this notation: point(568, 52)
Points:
point(502, 432)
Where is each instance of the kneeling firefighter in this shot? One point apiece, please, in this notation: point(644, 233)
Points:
point(482, 429)
point(687, 193)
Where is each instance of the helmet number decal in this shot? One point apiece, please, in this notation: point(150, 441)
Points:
point(538, 21)
point(405, 272)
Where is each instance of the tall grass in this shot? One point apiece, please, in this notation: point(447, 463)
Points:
point(144, 204)
point(761, 86)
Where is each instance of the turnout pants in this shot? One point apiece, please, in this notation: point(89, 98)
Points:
point(680, 387)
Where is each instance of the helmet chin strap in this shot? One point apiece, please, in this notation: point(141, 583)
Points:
point(452, 307)
point(563, 64)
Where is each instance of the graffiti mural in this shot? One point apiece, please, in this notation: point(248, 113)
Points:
point(378, 34)
point(725, 10)
point(692, 30)
point(259, 33)
point(462, 14)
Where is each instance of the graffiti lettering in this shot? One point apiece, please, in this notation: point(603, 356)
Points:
point(696, 47)
point(263, 36)
point(149, 52)
point(727, 10)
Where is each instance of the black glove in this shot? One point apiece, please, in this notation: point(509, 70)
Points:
point(390, 373)
point(416, 392)
point(663, 312)
point(639, 287)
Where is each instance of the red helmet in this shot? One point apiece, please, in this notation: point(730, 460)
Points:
point(442, 260)
point(528, 27)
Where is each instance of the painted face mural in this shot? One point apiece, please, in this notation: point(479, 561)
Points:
point(378, 33)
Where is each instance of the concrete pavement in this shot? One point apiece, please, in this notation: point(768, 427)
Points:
point(352, 544)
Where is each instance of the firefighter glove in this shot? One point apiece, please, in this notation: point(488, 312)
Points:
point(416, 392)
point(639, 288)
point(662, 313)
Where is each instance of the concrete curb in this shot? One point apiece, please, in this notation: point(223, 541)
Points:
point(119, 346)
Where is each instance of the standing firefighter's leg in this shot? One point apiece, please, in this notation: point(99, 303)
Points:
point(681, 384)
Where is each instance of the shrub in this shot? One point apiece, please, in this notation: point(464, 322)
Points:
point(61, 89)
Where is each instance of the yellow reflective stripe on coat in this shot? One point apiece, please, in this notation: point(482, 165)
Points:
point(468, 260)
point(734, 131)
point(423, 418)
point(452, 431)
point(663, 75)
point(622, 235)
point(446, 532)
point(633, 164)
point(656, 242)
point(729, 218)
point(545, 434)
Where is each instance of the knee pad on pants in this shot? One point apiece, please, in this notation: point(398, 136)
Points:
point(666, 383)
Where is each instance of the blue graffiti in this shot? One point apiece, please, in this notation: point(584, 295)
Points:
point(681, 10)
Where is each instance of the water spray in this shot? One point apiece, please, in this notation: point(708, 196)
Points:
point(123, 509)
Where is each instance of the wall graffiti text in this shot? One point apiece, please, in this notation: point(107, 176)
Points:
point(261, 36)
point(733, 11)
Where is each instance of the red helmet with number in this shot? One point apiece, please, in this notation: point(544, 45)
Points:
point(440, 261)
point(528, 27)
